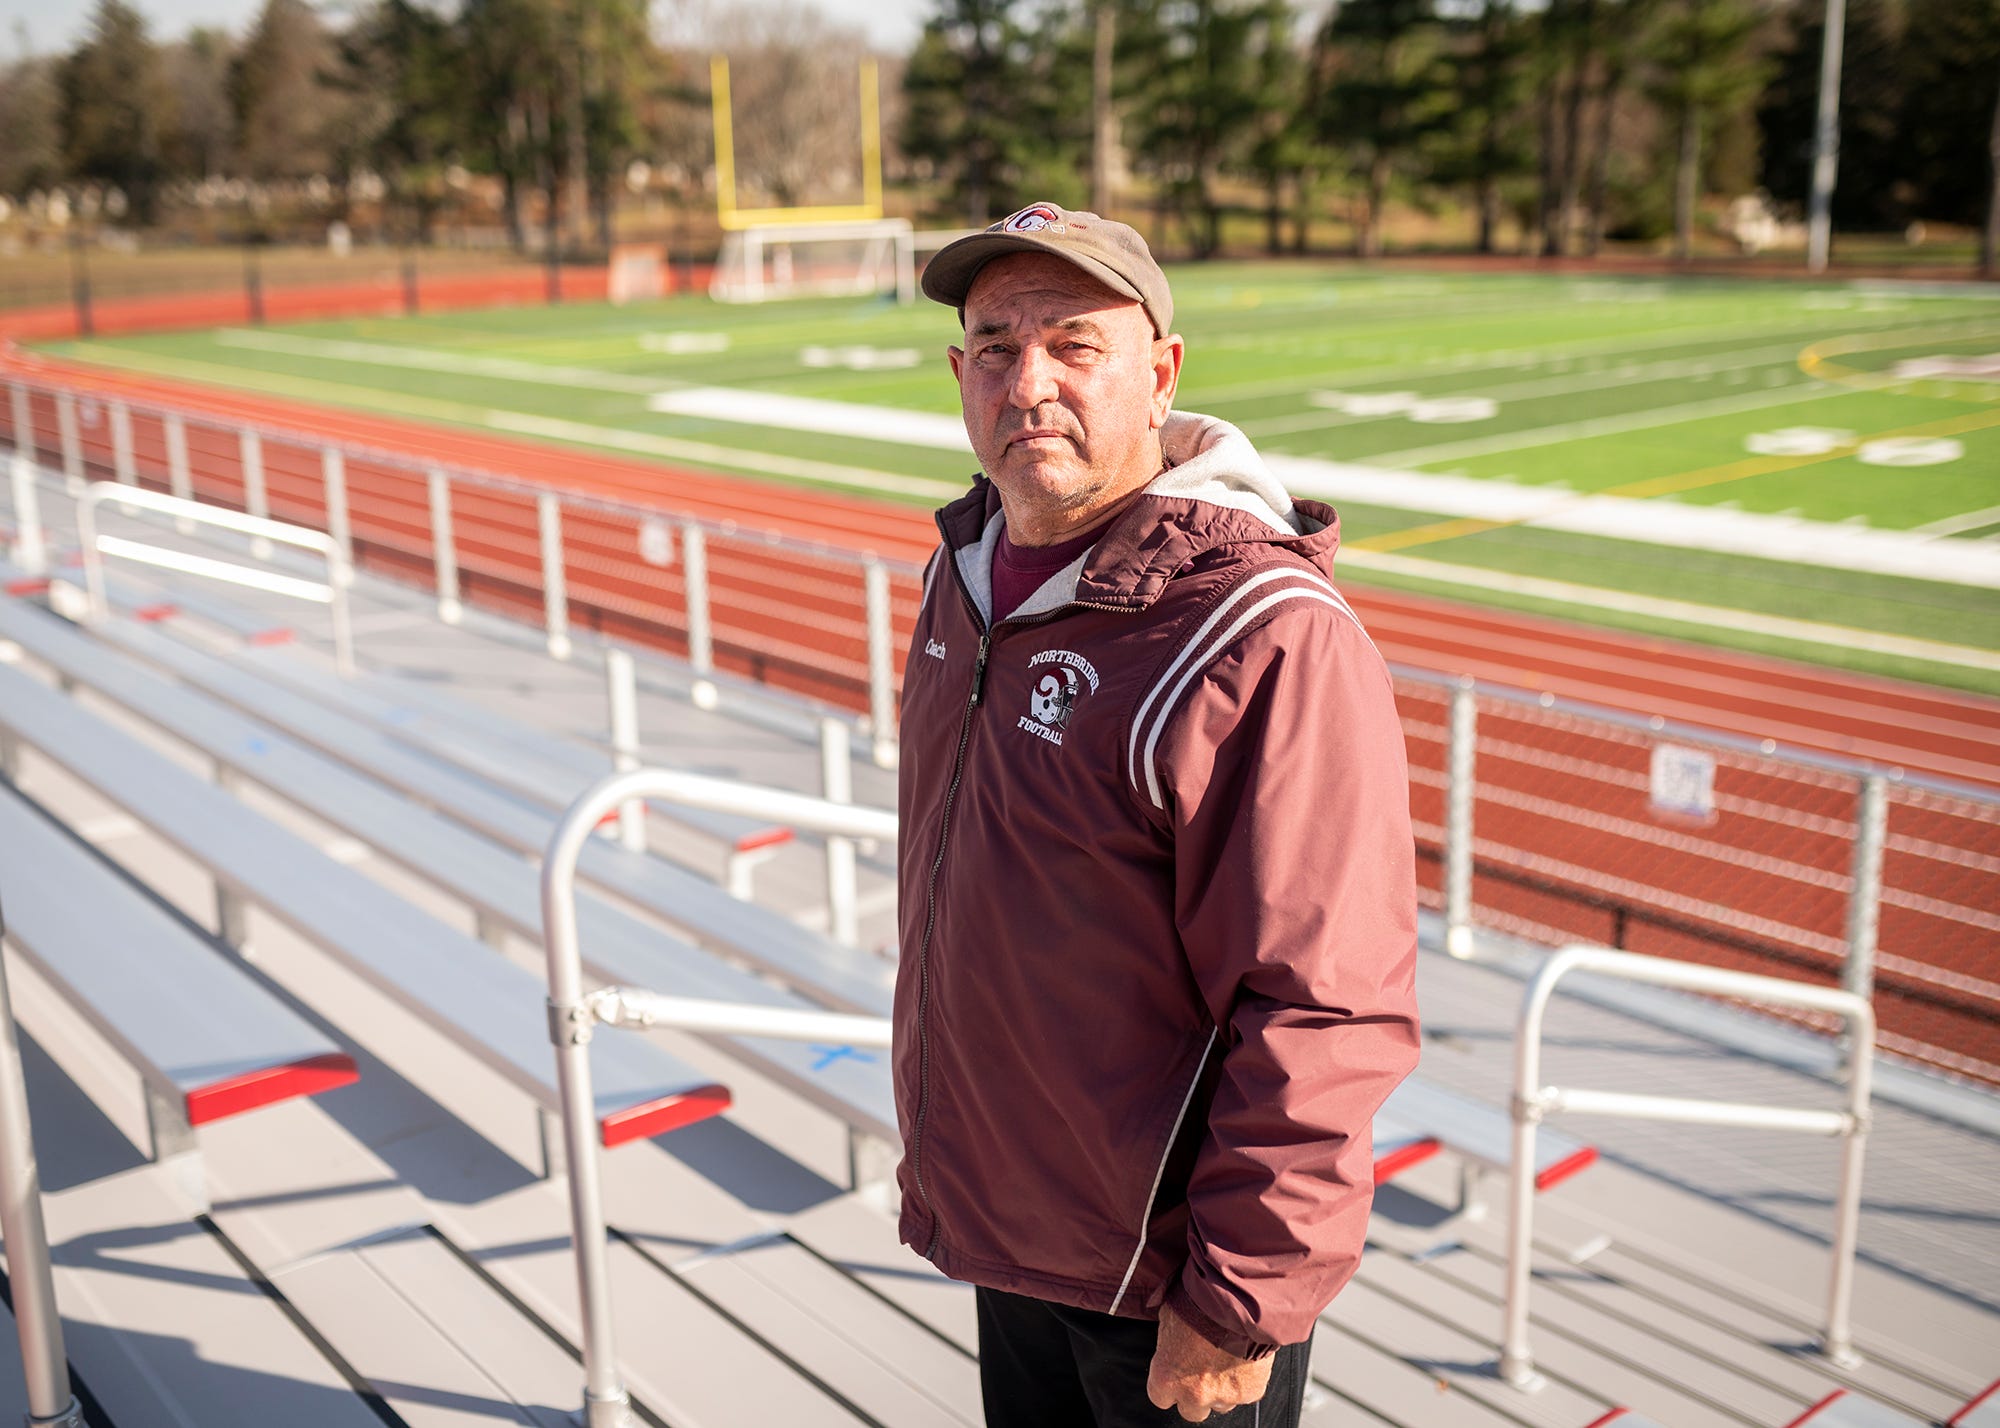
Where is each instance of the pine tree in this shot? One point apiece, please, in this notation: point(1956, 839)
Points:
point(1705, 73)
point(1385, 93)
point(111, 100)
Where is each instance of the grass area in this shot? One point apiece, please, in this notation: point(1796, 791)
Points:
point(1765, 398)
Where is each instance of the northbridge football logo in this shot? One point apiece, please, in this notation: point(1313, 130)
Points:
point(1052, 697)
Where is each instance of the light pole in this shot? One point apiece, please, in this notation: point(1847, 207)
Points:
point(1826, 139)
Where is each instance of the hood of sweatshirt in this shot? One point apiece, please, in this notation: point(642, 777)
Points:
point(1215, 491)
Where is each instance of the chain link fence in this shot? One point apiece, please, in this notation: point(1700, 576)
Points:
point(1533, 815)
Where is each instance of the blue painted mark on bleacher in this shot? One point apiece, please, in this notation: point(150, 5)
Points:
point(257, 746)
point(830, 1054)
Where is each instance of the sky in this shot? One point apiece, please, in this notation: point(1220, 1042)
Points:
point(890, 24)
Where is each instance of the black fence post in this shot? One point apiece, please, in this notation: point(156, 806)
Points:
point(410, 285)
point(79, 264)
point(253, 282)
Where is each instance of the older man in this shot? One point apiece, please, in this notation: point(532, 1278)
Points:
point(1158, 904)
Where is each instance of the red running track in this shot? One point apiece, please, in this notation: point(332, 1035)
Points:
point(1568, 846)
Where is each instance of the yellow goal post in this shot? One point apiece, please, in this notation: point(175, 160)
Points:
point(733, 217)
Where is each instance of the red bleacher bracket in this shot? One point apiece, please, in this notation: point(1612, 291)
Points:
point(763, 838)
point(1569, 1165)
point(1814, 1411)
point(1964, 1415)
point(1612, 1417)
point(153, 614)
point(662, 1115)
point(277, 635)
point(30, 585)
point(1395, 1162)
point(247, 1092)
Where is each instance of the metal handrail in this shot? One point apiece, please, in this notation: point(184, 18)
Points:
point(574, 1015)
point(459, 471)
point(1533, 1102)
point(94, 547)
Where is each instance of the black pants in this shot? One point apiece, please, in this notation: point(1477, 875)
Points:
point(1046, 1365)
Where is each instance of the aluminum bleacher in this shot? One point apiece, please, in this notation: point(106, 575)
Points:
point(387, 1253)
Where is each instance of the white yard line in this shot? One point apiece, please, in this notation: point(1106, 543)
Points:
point(730, 456)
point(1605, 426)
point(831, 418)
point(457, 364)
point(1709, 617)
point(1910, 554)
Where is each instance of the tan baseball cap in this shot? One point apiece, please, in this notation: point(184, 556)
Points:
point(1110, 252)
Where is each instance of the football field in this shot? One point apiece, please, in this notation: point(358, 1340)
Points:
point(1805, 469)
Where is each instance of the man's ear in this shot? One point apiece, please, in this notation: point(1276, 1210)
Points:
point(1167, 354)
point(957, 358)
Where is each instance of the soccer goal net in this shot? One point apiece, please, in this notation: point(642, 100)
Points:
point(766, 262)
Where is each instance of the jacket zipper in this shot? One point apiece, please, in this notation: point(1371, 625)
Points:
point(972, 702)
point(974, 699)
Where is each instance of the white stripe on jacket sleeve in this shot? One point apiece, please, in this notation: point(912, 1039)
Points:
point(1316, 590)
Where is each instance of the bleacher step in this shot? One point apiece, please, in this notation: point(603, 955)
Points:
point(1460, 1355)
point(903, 1375)
point(679, 1356)
point(1621, 1298)
point(1390, 1388)
point(433, 1374)
point(853, 1234)
point(1946, 1343)
point(167, 1328)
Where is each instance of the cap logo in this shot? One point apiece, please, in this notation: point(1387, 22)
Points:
point(1035, 218)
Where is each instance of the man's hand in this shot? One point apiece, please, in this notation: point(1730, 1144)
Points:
point(1193, 1375)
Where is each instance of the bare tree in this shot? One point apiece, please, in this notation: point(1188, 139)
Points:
point(285, 107)
point(201, 136)
point(794, 80)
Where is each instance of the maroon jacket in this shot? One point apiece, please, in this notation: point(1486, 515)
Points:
point(1158, 910)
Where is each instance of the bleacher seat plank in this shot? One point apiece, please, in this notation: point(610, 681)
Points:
point(165, 1326)
point(530, 761)
point(1841, 1409)
point(1393, 1389)
point(1417, 1110)
point(539, 765)
point(494, 1009)
point(894, 1370)
point(843, 978)
point(498, 883)
point(205, 1035)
